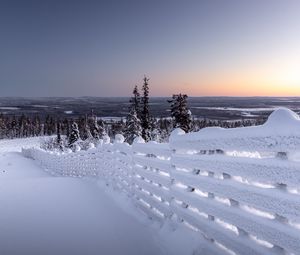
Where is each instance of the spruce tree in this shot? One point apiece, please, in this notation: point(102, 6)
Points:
point(58, 132)
point(145, 114)
point(66, 127)
point(58, 138)
point(135, 101)
point(180, 113)
point(101, 128)
point(133, 127)
point(74, 134)
point(86, 133)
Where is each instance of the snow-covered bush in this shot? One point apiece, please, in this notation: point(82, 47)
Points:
point(51, 143)
point(119, 138)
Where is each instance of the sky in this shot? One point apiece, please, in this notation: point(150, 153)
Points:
point(104, 48)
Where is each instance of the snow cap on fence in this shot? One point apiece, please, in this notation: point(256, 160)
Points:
point(119, 138)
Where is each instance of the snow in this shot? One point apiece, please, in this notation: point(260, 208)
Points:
point(9, 108)
point(280, 133)
point(18, 144)
point(111, 118)
point(236, 109)
point(40, 106)
point(42, 214)
point(216, 191)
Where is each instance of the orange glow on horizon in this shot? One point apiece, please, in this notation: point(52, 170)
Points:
point(272, 83)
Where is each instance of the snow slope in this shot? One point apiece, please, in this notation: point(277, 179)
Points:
point(18, 144)
point(42, 214)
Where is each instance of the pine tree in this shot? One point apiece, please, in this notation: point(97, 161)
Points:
point(101, 129)
point(145, 114)
point(66, 127)
point(74, 135)
point(135, 101)
point(133, 127)
point(180, 113)
point(86, 133)
point(58, 138)
point(58, 132)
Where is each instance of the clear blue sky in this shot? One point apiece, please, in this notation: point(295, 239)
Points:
point(103, 48)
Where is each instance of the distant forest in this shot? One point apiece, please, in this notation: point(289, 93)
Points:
point(23, 126)
point(139, 122)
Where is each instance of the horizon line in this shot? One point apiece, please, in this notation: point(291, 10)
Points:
point(297, 96)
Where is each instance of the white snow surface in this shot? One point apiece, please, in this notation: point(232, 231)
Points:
point(237, 109)
point(18, 144)
point(236, 189)
point(42, 214)
point(281, 132)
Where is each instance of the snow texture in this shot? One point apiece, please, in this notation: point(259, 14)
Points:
point(236, 190)
point(41, 214)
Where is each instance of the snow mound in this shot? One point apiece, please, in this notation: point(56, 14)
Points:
point(283, 117)
point(119, 138)
point(281, 132)
point(138, 139)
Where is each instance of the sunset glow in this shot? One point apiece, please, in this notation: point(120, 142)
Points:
point(202, 48)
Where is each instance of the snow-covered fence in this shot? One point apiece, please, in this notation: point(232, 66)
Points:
point(82, 163)
point(239, 187)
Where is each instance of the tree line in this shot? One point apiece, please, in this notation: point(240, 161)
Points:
point(88, 130)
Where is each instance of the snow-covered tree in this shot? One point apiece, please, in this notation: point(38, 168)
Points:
point(101, 128)
point(94, 128)
point(59, 140)
point(74, 134)
point(180, 113)
point(86, 132)
point(135, 101)
point(133, 126)
point(145, 114)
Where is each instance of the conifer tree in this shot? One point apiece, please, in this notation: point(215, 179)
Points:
point(135, 101)
point(180, 113)
point(66, 127)
point(145, 114)
point(133, 127)
point(58, 138)
point(58, 130)
point(86, 132)
point(101, 128)
point(74, 134)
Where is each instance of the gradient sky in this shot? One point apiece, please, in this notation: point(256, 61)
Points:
point(104, 48)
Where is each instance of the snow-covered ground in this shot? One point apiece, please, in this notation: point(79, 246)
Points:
point(216, 191)
point(42, 214)
point(17, 144)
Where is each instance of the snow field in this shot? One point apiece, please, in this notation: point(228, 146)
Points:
point(235, 204)
point(42, 214)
